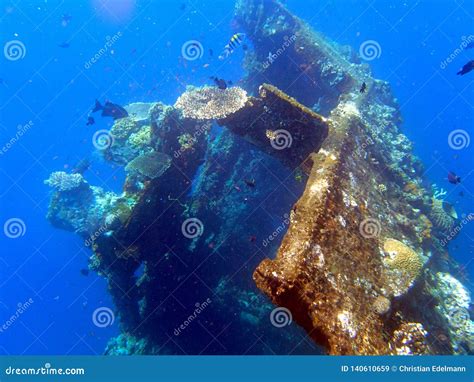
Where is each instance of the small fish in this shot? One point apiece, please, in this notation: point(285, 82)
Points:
point(65, 20)
point(64, 45)
point(250, 182)
point(237, 188)
point(461, 193)
point(110, 110)
point(182, 7)
point(245, 47)
point(363, 88)
point(211, 52)
point(84, 272)
point(253, 238)
point(234, 42)
point(90, 121)
point(221, 84)
point(466, 68)
point(453, 178)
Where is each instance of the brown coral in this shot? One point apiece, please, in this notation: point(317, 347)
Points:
point(211, 102)
point(404, 263)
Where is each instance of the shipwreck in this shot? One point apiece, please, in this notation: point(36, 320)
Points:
point(354, 252)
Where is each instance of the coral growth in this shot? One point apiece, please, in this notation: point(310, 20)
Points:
point(453, 303)
point(211, 102)
point(62, 181)
point(152, 165)
point(404, 265)
point(410, 339)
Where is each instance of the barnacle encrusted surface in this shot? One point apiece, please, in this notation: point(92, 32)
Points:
point(211, 102)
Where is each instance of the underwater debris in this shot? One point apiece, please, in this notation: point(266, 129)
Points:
point(210, 102)
point(61, 181)
point(279, 126)
point(152, 165)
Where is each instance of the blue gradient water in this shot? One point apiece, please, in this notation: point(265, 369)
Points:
point(52, 87)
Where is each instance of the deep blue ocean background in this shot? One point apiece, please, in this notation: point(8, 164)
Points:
point(52, 87)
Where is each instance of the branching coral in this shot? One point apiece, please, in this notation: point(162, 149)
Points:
point(404, 265)
point(62, 181)
point(211, 102)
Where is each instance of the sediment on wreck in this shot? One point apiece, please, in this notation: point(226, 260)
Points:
point(351, 291)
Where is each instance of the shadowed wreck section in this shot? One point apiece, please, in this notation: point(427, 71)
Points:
point(361, 252)
point(363, 266)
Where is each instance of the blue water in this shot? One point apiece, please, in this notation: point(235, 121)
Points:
point(51, 87)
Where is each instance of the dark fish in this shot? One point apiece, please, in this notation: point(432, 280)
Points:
point(221, 84)
point(90, 121)
point(182, 7)
point(84, 272)
point(466, 68)
point(252, 238)
point(453, 178)
point(363, 88)
point(250, 182)
point(110, 110)
point(81, 167)
point(64, 45)
point(211, 52)
point(470, 45)
point(245, 47)
point(234, 42)
point(461, 193)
